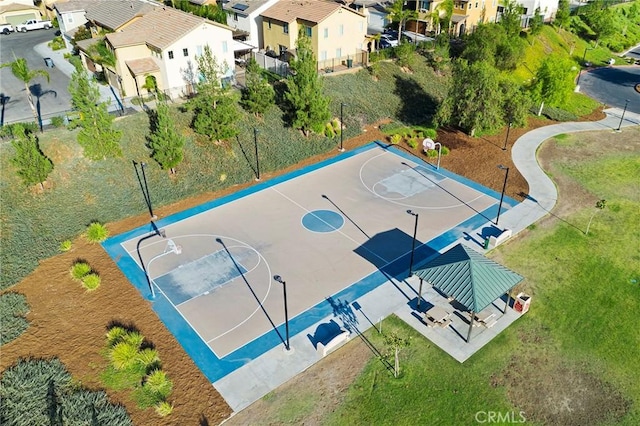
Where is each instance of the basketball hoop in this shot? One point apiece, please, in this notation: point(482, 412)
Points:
point(173, 247)
point(428, 144)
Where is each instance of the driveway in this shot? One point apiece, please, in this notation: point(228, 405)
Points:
point(613, 86)
point(53, 96)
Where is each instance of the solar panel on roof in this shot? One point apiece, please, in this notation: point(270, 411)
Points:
point(240, 6)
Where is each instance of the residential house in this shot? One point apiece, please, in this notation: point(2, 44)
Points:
point(338, 33)
point(467, 15)
point(548, 9)
point(164, 43)
point(70, 16)
point(376, 13)
point(115, 15)
point(244, 17)
point(15, 12)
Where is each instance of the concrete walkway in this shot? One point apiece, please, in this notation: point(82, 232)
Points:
point(260, 376)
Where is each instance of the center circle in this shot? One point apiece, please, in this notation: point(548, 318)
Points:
point(322, 221)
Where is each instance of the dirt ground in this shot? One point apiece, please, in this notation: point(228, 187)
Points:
point(69, 323)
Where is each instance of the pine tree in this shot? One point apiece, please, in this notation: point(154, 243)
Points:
point(165, 141)
point(33, 165)
point(97, 137)
point(309, 108)
point(258, 94)
point(214, 108)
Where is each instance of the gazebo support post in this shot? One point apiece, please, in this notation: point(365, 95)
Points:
point(506, 305)
point(470, 326)
point(420, 293)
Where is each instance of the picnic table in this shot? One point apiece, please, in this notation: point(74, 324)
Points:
point(437, 315)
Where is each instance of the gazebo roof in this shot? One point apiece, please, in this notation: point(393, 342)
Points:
point(469, 277)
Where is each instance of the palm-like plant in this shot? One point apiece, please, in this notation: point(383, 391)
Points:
point(20, 69)
point(400, 15)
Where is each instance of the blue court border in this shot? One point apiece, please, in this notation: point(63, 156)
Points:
point(215, 368)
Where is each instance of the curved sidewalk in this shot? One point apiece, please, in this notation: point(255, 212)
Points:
point(543, 194)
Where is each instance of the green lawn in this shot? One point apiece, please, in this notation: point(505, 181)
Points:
point(577, 348)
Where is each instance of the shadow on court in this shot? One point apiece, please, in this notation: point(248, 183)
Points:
point(241, 273)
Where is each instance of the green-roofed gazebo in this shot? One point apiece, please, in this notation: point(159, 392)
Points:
point(468, 277)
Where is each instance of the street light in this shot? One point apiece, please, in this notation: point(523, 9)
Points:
point(626, 102)
point(171, 247)
point(504, 148)
point(286, 314)
point(580, 65)
point(255, 143)
point(413, 246)
point(504, 186)
point(342, 105)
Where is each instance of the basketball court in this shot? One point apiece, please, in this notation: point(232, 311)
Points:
point(337, 228)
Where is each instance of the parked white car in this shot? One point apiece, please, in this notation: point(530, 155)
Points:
point(33, 24)
point(6, 28)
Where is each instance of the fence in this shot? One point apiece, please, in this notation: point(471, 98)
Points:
point(359, 59)
point(269, 63)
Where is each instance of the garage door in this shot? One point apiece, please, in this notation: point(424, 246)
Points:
point(19, 19)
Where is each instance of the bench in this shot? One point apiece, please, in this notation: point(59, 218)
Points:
point(496, 241)
point(334, 343)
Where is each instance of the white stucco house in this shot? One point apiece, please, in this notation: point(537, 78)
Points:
point(164, 43)
point(548, 9)
point(244, 17)
point(71, 15)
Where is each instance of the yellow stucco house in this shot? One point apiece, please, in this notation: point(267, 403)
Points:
point(338, 33)
point(467, 15)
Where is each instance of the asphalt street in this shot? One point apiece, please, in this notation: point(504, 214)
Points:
point(613, 86)
point(51, 97)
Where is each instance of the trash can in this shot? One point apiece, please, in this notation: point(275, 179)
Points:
point(486, 244)
point(349, 63)
point(49, 62)
point(522, 302)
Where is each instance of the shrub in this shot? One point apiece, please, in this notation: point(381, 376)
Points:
point(396, 139)
point(65, 245)
point(149, 359)
point(96, 232)
point(431, 153)
point(57, 121)
point(133, 338)
point(391, 128)
point(427, 132)
point(337, 128)
point(57, 43)
point(445, 150)
point(158, 384)
point(123, 355)
point(163, 408)
point(91, 281)
point(558, 114)
point(413, 142)
point(115, 335)
point(80, 269)
point(329, 132)
point(13, 308)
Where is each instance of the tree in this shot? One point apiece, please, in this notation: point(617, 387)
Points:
point(308, 107)
point(33, 166)
point(474, 101)
point(165, 141)
point(563, 15)
point(490, 43)
point(396, 343)
point(536, 24)
point(397, 13)
point(100, 54)
point(601, 20)
point(150, 84)
point(554, 81)
point(510, 19)
point(600, 205)
point(20, 69)
point(258, 95)
point(516, 102)
point(214, 107)
point(441, 16)
point(97, 136)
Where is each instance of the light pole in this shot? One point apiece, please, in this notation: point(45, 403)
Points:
point(626, 102)
point(504, 148)
point(342, 105)
point(255, 143)
point(504, 187)
point(580, 67)
point(286, 313)
point(146, 187)
point(413, 246)
point(171, 247)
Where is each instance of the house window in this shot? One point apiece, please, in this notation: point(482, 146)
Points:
point(199, 50)
point(341, 30)
point(185, 52)
point(307, 31)
point(423, 4)
point(326, 33)
point(171, 54)
point(338, 53)
point(70, 19)
point(476, 5)
point(235, 17)
point(269, 24)
point(225, 48)
point(285, 28)
point(470, 5)
point(323, 55)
